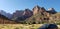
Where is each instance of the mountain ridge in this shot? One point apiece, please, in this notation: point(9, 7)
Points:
point(36, 15)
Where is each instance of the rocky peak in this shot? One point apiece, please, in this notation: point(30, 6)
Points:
point(38, 9)
point(51, 10)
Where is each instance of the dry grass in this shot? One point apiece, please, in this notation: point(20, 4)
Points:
point(19, 26)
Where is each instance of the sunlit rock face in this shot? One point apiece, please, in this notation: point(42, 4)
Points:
point(38, 9)
point(52, 10)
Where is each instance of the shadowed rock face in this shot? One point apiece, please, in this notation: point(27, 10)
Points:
point(5, 20)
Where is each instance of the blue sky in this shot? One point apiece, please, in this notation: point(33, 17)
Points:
point(12, 5)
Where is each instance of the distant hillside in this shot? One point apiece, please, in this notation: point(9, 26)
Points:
point(5, 20)
point(8, 15)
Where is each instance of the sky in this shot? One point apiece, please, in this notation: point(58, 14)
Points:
point(11, 6)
